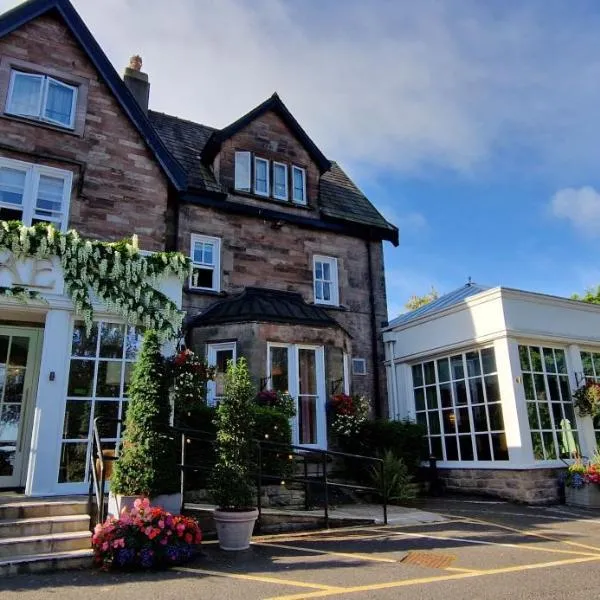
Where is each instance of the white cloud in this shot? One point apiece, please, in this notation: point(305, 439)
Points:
point(580, 206)
point(403, 87)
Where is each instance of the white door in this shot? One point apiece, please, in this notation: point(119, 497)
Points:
point(217, 356)
point(300, 371)
point(18, 366)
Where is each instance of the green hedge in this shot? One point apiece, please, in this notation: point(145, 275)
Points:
point(268, 422)
point(404, 438)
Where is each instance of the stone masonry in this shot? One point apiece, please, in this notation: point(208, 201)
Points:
point(118, 187)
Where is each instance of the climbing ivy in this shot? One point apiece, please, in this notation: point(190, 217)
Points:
point(117, 273)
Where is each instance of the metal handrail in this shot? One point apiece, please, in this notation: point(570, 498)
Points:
point(97, 483)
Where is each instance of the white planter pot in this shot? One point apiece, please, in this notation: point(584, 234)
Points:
point(169, 502)
point(116, 504)
point(234, 529)
point(587, 496)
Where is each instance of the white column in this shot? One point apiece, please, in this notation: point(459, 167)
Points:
point(44, 458)
point(514, 406)
point(585, 425)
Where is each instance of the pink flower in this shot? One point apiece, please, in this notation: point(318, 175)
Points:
point(164, 541)
point(161, 524)
point(105, 546)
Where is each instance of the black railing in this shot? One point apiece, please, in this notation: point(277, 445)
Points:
point(307, 456)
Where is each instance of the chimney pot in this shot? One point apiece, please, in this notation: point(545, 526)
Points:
point(135, 62)
point(137, 82)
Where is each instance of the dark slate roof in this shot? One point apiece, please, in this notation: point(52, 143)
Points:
point(23, 13)
point(275, 104)
point(261, 304)
point(341, 199)
point(443, 302)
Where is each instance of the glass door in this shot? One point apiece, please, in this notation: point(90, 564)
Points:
point(18, 350)
point(218, 356)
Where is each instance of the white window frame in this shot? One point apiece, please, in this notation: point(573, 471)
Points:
point(285, 195)
point(45, 80)
point(333, 268)
point(258, 159)
point(303, 172)
point(294, 388)
point(243, 184)
point(363, 370)
point(30, 191)
point(211, 359)
point(216, 266)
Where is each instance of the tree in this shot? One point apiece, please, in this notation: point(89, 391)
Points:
point(418, 301)
point(147, 459)
point(591, 295)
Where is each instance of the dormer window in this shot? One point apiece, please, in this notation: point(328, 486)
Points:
point(299, 183)
point(42, 98)
point(261, 176)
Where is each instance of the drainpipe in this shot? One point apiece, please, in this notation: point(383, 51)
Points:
point(374, 348)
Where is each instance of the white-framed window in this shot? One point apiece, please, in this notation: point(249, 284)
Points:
point(243, 171)
point(359, 366)
point(325, 279)
point(457, 399)
point(34, 193)
point(42, 98)
point(261, 176)
point(549, 404)
point(591, 370)
point(298, 185)
point(206, 263)
point(300, 371)
point(280, 181)
point(217, 355)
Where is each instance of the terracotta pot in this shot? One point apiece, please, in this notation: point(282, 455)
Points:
point(234, 528)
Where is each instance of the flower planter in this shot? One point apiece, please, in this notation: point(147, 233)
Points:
point(168, 502)
point(587, 496)
point(234, 528)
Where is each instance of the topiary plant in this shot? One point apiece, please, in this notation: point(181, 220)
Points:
point(147, 457)
point(231, 483)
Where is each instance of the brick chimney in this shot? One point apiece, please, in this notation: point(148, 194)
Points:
point(137, 82)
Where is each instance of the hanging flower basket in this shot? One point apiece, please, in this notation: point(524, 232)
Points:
point(587, 399)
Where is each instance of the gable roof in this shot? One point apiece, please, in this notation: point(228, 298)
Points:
point(447, 300)
point(275, 104)
point(264, 305)
point(22, 14)
point(340, 200)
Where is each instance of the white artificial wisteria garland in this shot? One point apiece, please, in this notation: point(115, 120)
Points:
point(116, 272)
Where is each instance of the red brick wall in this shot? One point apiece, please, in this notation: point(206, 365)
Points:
point(119, 189)
point(269, 137)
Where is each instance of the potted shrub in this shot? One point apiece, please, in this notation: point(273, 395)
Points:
point(582, 483)
point(147, 456)
point(231, 483)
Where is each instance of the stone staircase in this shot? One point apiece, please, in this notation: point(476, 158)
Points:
point(43, 534)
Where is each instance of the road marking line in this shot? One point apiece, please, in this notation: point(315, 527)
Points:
point(487, 543)
point(261, 578)
point(353, 555)
point(459, 570)
point(435, 579)
point(534, 534)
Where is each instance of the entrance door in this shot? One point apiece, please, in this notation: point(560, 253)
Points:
point(218, 356)
point(18, 353)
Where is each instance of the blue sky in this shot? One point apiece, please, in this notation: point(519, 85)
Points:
point(474, 126)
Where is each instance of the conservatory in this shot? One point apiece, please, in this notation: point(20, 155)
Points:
point(490, 373)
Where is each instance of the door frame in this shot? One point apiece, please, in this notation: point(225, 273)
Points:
point(211, 360)
point(30, 387)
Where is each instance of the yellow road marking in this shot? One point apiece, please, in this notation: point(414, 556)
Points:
point(533, 533)
point(459, 570)
point(488, 543)
point(354, 555)
point(261, 578)
point(435, 579)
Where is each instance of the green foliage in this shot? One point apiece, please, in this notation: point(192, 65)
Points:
point(587, 399)
point(395, 478)
point(231, 481)
point(115, 272)
point(147, 457)
point(188, 375)
point(404, 438)
point(417, 301)
point(591, 295)
point(273, 425)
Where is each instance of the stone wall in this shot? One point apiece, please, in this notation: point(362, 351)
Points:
point(532, 486)
point(118, 187)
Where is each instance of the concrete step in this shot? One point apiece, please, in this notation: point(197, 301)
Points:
point(39, 563)
point(44, 544)
point(13, 528)
point(32, 509)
